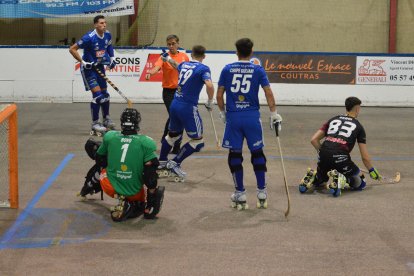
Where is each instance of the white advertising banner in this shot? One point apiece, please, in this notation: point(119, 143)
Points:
point(385, 70)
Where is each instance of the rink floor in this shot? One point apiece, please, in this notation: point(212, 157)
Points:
point(197, 233)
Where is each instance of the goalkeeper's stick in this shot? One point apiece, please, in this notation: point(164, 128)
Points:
point(113, 85)
point(276, 126)
point(386, 179)
point(214, 128)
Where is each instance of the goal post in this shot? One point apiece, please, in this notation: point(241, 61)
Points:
point(9, 195)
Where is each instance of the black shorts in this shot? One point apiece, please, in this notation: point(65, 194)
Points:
point(341, 161)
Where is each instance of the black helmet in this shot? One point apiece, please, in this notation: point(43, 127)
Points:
point(130, 119)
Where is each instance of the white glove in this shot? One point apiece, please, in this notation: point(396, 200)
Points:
point(223, 116)
point(165, 56)
point(209, 104)
point(87, 65)
point(275, 118)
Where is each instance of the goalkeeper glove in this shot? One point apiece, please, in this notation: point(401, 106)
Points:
point(374, 174)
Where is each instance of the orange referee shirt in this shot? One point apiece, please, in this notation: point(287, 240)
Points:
point(169, 73)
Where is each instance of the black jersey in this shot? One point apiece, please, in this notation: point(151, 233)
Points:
point(341, 133)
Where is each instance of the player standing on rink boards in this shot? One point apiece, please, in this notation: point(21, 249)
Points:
point(128, 162)
point(97, 51)
point(184, 111)
point(241, 81)
point(340, 133)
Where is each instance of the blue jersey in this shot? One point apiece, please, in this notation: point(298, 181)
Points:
point(241, 81)
point(95, 48)
point(191, 81)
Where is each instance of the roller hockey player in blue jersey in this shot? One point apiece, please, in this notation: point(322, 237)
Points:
point(241, 81)
point(97, 51)
point(184, 112)
point(339, 135)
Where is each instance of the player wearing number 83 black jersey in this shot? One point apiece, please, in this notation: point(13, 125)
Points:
point(340, 134)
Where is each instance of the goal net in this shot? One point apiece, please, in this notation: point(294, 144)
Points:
point(8, 156)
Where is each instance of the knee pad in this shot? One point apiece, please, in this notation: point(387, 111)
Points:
point(154, 203)
point(235, 161)
point(106, 96)
point(99, 97)
point(196, 144)
point(150, 175)
point(92, 184)
point(258, 160)
point(172, 137)
point(357, 182)
point(91, 146)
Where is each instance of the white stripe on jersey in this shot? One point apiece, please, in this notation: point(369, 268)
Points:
point(197, 120)
point(84, 78)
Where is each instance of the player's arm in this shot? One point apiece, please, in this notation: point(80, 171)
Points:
point(73, 50)
point(275, 118)
point(316, 139)
point(270, 98)
point(366, 159)
point(220, 98)
point(152, 72)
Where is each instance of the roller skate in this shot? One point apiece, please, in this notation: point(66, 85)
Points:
point(261, 199)
point(108, 123)
point(162, 170)
point(307, 181)
point(239, 200)
point(337, 184)
point(175, 171)
point(98, 129)
point(126, 209)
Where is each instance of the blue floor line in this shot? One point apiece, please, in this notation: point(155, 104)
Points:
point(23, 215)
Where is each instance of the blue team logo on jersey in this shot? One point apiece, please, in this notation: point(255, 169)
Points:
point(256, 61)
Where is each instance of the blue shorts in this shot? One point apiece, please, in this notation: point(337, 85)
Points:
point(240, 125)
point(91, 78)
point(185, 116)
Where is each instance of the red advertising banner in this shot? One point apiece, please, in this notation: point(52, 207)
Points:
point(152, 58)
point(309, 69)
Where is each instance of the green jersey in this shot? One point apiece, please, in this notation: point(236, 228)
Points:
point(126, 156)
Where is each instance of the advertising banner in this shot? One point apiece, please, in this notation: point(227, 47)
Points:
point(309, 69)
point(64, 8)
point(385, 70)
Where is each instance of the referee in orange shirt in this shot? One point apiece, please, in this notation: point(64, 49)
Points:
point(169, 78)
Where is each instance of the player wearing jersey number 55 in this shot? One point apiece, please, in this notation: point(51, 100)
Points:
point(97, 51)
point(340, 134)
point(128, 161)
point(241, 82)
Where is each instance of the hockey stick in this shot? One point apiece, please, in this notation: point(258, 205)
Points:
point(276, 126)
point(387, 179)
point(113, 86)
point(214, 128)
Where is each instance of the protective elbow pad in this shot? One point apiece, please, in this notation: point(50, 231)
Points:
point(101, 160)
point(150, 175)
